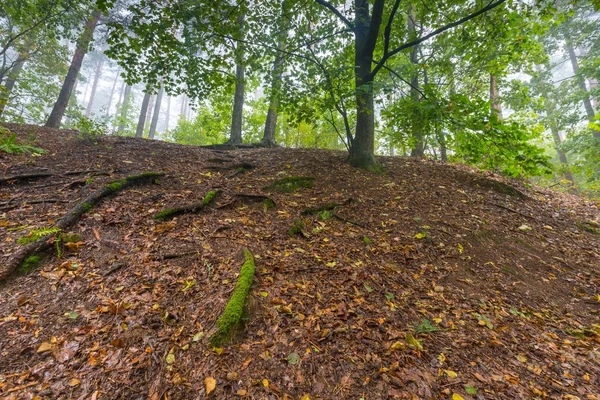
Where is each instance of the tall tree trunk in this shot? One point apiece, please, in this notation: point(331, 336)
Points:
point(65, 93)
point(139, 132)
point(418, 147)
point(97, 74)
point(11, 79)
point(362, 146)
point(183, 107)
point(235, 136)
point(496, 106)
point(149, 113)
point(271, 121)
point(587, 103)
point(112, 92)
point(124, 107)
point(156, 113)
point(593, 85)
point(168, 113)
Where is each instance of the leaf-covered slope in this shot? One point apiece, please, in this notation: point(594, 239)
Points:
point(438, 280)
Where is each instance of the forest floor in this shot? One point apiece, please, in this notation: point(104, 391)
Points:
point(442, 282)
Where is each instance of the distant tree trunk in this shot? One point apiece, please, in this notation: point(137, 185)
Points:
point(418, 148)
point(149, 113)
point(124, 107)
point(142, 120)
point(587, 103)
point(65, 93)
point(593, 85)
point(168, 113)
point(235, 136)
point(97, 74)
point(182, 113)
point(496, 106)
point(156, 113)
point(112, 92)
point(11, 79)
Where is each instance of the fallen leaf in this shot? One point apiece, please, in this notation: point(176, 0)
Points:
point(293, 358)
point(451, 374)
point(210, 384)
point(45, 346)
point(456, 396)
point(74, 382)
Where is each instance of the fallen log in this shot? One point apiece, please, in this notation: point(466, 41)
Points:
point(71, 217)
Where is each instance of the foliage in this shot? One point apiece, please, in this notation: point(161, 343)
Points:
point(89, 129)
point(36, 234)
point(8, 144)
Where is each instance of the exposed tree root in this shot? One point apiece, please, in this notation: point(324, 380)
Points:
point(325, 207)
point(71, 217)
point(249, 197)
point(219, 160)
point(346, 220)
point(169, 213)
point(291, 183)
point(511, 210)
point(24, 177)
point(231, 317)
point(8, 206)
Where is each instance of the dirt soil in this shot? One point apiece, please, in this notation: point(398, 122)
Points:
point(438, 281)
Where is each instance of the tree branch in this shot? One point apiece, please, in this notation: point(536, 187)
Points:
point(433, 33)
point(336, 12)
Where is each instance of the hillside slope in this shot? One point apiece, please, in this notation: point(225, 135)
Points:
point(497, 283)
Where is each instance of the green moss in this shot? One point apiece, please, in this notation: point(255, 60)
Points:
point(116, 186)
point(296, 228)
point(292, 183)
point(29, 264)
point(70, 237)
point(144, 175)
point(234, 310)
point(590, 227)
point(268, 204)
point(325, 215)
point(86, 207)
point(209, 197)
point(166, 213)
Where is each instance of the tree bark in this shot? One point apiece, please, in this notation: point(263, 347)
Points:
point(235, 136)
point(496, 106)
point(271, 121)
point(149, 112)
point(124, 107)
point(142, 120)
point(418, 147)
point(97, 74)
point(156, 113)
point(83, 43)
point(11, 79)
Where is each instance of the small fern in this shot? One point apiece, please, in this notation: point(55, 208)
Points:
point(37, 234)
point(8, 144)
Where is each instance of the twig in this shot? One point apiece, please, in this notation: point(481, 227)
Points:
point(511, 210)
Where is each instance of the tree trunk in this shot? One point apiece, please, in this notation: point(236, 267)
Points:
point(156, 113)
point(168, 113)
point(112, 92)
point(362, 146)
point(235, 136)
point(149, 113)
point(496, 106)
point(11, 79)
point(418, 147)
point(271, 121)
point(587, 103)
point(124, 107)
point(142, 120)
point(65, 93)
point(97, 73)
point(183, 106)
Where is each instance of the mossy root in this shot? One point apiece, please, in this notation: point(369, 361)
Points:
point(71, 217)
point(232, 314)
point(169, 213)
point(291, 183)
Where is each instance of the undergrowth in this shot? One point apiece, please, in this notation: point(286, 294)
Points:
point(8, 144)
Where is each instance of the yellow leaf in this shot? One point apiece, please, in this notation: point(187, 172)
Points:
point(397, 346)
point(210, 384)
point(451, 374)
point(442, 358)
point(412, 342)
point(522, 358)
point(265, 383)
point(305, 397)
point(170, 358)
point(74, 382)
point(218, 350)
point(456, 396)
point(44, 347)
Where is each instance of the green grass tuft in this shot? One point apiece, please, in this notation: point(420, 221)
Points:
point(234, 310)
point(8, 144)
